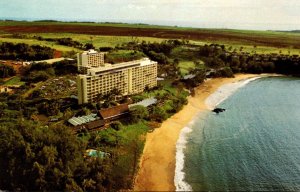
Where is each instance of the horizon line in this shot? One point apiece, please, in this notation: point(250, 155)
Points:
point(149, 23)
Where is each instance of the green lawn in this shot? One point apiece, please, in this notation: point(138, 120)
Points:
point(14, 81)
point(185, 66)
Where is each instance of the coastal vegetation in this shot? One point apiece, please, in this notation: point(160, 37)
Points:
point(37, 138)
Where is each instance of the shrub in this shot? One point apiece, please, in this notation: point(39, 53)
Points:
point(116, 125)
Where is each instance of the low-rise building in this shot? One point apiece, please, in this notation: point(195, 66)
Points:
point(114, 113)
point(90, 126)
point(88, 122)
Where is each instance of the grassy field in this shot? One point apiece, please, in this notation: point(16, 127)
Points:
point(259, 49)
point(263, 49)
point(37, 42)
point(112, 41)
point(185, 66)
point(98, 40)
point(14, 81)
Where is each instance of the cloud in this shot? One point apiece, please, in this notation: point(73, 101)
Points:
point(140, 6)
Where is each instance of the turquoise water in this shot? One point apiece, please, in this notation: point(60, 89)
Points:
point(253, 145)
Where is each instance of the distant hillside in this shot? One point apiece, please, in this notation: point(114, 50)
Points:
point(293, 31)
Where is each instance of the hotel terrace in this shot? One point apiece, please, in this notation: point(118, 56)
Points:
point(128, 78)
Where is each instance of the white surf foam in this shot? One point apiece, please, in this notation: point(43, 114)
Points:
point(225, 91)
point(180, 184)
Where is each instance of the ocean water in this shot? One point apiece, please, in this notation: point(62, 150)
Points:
point(253, 146)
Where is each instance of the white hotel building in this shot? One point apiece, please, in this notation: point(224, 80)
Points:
point(128, 77)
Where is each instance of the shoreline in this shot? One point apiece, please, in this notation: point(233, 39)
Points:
point(158, 161)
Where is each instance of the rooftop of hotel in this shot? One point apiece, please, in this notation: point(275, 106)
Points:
point(90, 51)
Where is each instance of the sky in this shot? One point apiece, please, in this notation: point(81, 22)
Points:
point(236, 14)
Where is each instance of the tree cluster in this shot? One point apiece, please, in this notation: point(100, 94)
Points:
point(25, 52)
point(168, 103)
point(138, 113)
point(224, 63)
point(67, 42)
point(39, 158)
point(65, 67)
point(155, 51)
point(117, 56)
point(37, 72)
point(6, 71)
point(42, 71)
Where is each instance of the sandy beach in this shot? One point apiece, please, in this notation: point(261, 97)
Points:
point(157, 164)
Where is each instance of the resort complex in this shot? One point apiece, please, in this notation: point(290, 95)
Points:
point(88, 106)
point(127, 78)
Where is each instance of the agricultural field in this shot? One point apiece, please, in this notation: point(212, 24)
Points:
point(113, 34)
point(96, 40)
point(258, 37)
